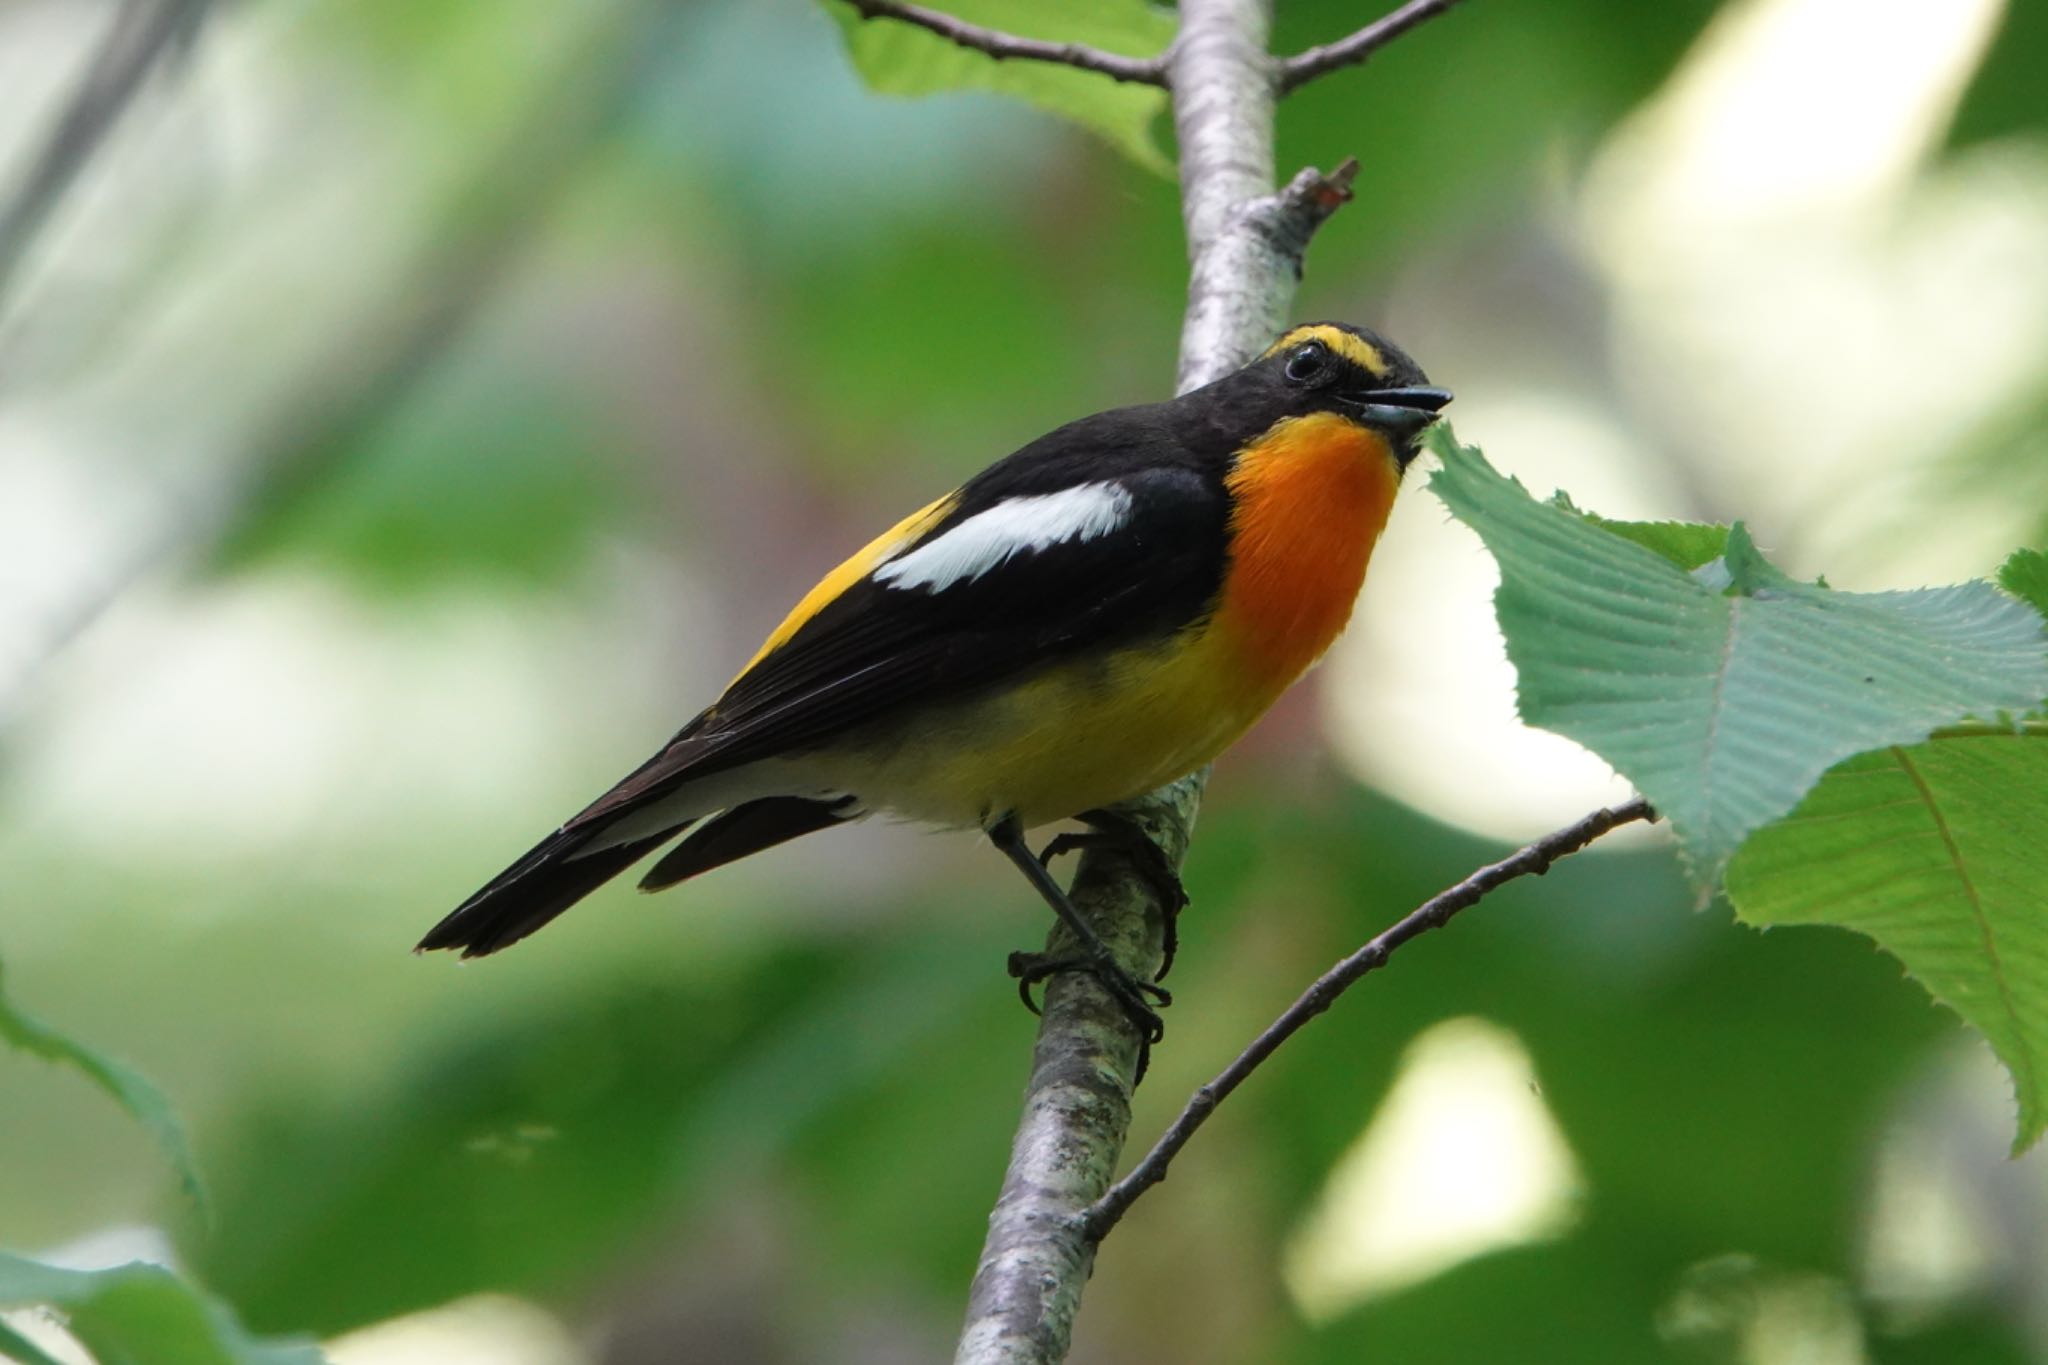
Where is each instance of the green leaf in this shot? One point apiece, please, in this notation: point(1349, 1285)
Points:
point(2003, 99)
point(1939, 852)
point(1688, 544)
point(900, 59)
point(138, 1314)
point(1725, 695)
point(143, 1101)
point(2025, 576)
point(1748, 573)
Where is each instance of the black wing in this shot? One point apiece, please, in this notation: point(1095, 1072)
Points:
point(878, 650)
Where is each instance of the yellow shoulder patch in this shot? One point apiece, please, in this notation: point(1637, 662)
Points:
point(1352, 348)
point(901, 536)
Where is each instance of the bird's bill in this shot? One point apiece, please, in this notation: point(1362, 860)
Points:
point(1403, 414)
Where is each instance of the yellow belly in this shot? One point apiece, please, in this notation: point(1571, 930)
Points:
point(1081, 736)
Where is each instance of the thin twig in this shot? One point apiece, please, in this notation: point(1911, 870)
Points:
point(1304, 67)
point(1535, 859)
point(140, 35)
point(1008, 46)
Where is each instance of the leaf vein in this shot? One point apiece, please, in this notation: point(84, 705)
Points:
point(2023, 1046)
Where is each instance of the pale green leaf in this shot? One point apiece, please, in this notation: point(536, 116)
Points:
point(143, 1101)
point(140, 1314)
point(1724, 695)
point(895, 58)
point(1687, 544)
point(1939, 852)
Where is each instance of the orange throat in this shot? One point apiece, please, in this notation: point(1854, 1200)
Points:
point(1311, 497)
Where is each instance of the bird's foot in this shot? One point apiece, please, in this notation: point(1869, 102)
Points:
point(1134, 996)
point(1107, 829)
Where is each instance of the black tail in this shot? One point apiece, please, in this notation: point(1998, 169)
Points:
point(556, 873)
point(742, 830)
point(541, 885)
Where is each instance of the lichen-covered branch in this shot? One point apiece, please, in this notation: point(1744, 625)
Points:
point(1009, 47)
point(1244, 246)
point(1077, 1109)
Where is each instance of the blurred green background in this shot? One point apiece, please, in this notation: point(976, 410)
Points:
point(413, 412)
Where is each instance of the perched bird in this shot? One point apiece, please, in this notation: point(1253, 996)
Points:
point(1101, 612)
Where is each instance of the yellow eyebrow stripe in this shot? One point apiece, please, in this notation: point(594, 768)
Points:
point(1359, 352)
point(902, 535)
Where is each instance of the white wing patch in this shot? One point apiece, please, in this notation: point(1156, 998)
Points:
point(987, 539)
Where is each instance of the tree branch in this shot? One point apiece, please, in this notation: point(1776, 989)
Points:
point(1245, 249)
point(1077, 1110)
point(1304, 67)
point(141, 34)
point(1009, 47)
point(1533, 860)
point(1245, 245)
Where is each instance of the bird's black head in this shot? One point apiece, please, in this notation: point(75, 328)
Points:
point(1356, 373)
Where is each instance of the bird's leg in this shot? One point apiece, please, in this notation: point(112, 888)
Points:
point(1135, 996)
point(1107, 829)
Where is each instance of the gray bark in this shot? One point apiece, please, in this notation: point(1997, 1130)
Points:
point(1244, 248)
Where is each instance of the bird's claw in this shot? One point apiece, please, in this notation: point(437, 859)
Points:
point(1136, 997)
point(1109, 830)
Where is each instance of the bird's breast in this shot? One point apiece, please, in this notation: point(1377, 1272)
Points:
point(1309, 500)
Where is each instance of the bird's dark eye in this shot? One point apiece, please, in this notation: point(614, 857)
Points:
point(1308, 363)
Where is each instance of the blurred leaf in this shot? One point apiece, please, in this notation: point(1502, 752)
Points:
point(1725, 708)
point(14, 1346)
point(901, 59)
point(2000, 460)
point(1554, 1295)
point(1470, 81)
point(961, 1080)
point(1939, 852)
point(404, 453)
point(881, 355)
point(482, 474)
point(140, 1314)
point(1982, 1334)
point(512, 1157)
point(452, 68)
point(143, 1101)
point(532, 1153)
point(2005, 97)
